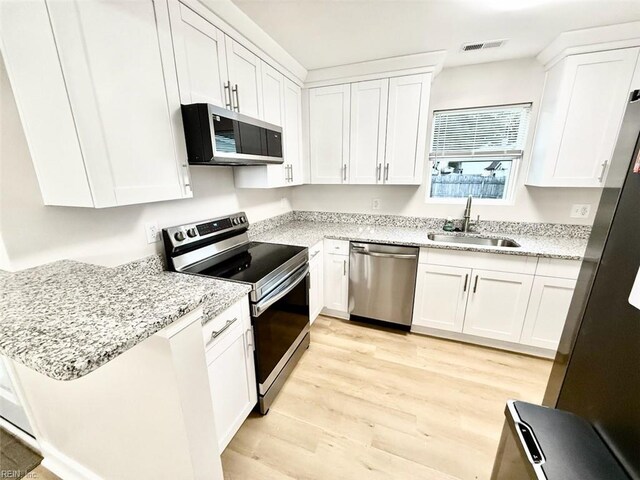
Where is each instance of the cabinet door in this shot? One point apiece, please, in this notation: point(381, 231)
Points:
point(336, 282)
point(368, 131)
point(547, 311)
point(497, 304)
point(201, 60)
point(292, 131)
point(124, 95)
point(232, 381)
point(441, 297)
point(316, 291)
point(329, 111)
point(581, 112)
point(245, 75)
point(407, 129)
point(272, 95)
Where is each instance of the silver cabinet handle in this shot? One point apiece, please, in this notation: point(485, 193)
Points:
point(378, 171)
point(234, 90)
point(386, 172)
point(344, 268)
point(291, 172)
point(475, 285)
point(604, 169)
point(466, 279)
point(344, 172)
point(249, 334)
point(314, 254)
point(227, 95)
point(216, 334)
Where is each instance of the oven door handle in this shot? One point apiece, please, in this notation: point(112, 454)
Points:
point(278, 293)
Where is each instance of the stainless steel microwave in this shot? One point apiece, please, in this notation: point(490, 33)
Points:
point(217, 136)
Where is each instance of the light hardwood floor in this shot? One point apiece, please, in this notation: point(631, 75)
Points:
point(369, 403)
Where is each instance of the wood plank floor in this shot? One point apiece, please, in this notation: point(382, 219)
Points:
point(369, 403)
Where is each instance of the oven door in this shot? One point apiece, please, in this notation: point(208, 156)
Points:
point(280, 323)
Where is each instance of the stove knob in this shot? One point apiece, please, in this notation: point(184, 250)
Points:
point(234, 221)
point(192, 233)
point(179, 236)
point(243, 219)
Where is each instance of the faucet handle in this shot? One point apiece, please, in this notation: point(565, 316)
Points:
point(474, 225)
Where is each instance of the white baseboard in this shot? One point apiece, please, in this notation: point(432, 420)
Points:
point(20, 434)
point(485, 342)
point(328, 312)
point(65, 467)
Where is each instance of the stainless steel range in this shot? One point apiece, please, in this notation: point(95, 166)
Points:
point(278, 275)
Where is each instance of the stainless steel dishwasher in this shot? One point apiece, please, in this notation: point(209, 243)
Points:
point(382, 280)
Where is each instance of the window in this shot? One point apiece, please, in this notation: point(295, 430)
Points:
point(476, 151)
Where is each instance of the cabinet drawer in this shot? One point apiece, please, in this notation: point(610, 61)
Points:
point(316, 251)
point(225, 324)
point(485, 261)
point(554, 267)
point(340, 247)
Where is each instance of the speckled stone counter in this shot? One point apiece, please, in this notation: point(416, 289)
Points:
point(306, 233)
point(66, 318)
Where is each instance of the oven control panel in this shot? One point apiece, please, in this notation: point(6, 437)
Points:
point(193, 232)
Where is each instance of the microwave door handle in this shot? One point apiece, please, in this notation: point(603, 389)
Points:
point(259, 308)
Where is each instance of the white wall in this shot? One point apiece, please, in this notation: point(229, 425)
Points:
point(515, 81)
point(33, 234)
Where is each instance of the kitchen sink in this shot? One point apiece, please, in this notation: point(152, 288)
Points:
point(468, 240)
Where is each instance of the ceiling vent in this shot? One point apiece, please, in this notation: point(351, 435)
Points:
point(467, 47)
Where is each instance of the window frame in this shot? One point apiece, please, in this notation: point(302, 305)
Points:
point(510, 186)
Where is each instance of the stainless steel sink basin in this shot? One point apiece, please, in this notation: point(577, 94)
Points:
point(467, 240)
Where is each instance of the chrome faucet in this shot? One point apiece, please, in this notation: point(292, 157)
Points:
point(467, 224)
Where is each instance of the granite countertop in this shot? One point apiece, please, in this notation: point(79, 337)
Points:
point(67, 318)
point(307, 233)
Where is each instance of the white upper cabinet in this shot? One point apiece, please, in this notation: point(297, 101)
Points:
point(367, 132)
point(292, 133)
point(282, 105)
point(372, 132)
point(329, 120)
point(580, 115)
point(245, 74)
point(272, 95)
point(407, 129)
point(201, 58)
point(98, 97)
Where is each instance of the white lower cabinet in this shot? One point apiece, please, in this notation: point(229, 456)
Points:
point(547, 312)
point(230, 364)
point(497, 304)
point(316, 291)
point(336, 276)
point(441, 297)
point(514, 302)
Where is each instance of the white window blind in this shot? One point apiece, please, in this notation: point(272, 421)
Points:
point(480, 131)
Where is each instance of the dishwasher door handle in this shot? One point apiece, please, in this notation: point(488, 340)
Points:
point(385, 255)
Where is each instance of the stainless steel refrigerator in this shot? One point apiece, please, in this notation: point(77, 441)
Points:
point(589, 426)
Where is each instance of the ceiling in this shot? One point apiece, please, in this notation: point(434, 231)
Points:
point(324, 33)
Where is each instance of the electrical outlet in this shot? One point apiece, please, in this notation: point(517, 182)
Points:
point(375, 204)
point(153, 232)
point(580, 210)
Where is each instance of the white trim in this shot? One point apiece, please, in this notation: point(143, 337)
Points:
point(484, 342)
point(428, 62)
point(226, 16)
point(21, 434)
point(611, 37)
point(328, 312)
point(64, 467)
